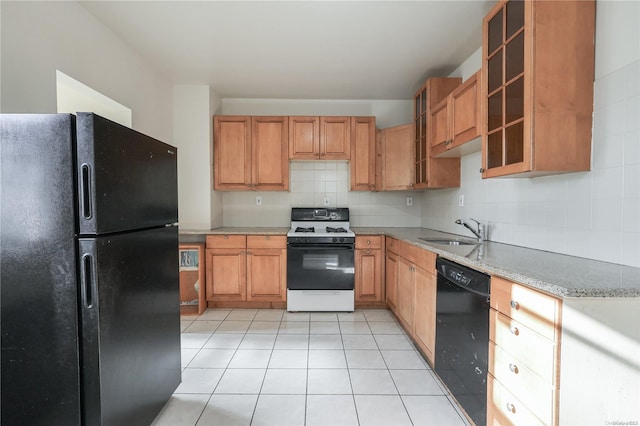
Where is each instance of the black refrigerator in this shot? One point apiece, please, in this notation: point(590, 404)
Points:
point(89, 272)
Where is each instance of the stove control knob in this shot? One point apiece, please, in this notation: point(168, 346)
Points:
point(335, 240)
point(342, 240)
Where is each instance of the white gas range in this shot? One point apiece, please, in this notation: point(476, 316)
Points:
point(320, 260)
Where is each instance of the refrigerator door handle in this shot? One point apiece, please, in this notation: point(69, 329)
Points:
point(87, 277)
point(86, 191)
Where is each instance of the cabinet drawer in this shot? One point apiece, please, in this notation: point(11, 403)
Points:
point(226, 241)
point(525, 345)
point(266, 241)
point(522, 382)
point(536, 310)
point(505, 409)
point(392, 245)
point(369, 242)
point(420, 257)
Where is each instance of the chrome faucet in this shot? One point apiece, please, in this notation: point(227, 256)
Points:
point(480, 232)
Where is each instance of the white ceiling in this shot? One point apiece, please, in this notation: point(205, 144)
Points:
point(299, 49)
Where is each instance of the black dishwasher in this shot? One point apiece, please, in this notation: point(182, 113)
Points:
point(462, 335)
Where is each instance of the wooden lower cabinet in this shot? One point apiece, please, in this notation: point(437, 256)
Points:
point(369, 268)
point(524, 332)
point(404, 306)
point(266, 274)
point(391, 280)
point(424, 312)
point(251, 268)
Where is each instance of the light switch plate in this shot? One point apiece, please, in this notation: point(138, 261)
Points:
point(409, 201)
point(258, 201)
point(461, 200)
point(326, 201)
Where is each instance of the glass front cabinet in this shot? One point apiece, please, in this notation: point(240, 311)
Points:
point(191, 264)
point(538, 65)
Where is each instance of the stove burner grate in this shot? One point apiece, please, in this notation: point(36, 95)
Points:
point(301, 229)
point(336, 230)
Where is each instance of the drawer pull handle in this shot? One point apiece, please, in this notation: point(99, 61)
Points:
point(514, 330)
point(511, 408)
point(515, 305)
point(513, 368)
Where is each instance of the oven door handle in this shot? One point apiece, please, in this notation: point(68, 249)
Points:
point(320, 246)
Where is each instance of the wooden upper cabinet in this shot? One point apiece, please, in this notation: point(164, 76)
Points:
point(232, 152)
point(396, 158)
point(319, 138)
point(455, 121)
point(335, 138)
point(304, 138)
point(270, 164)
point(363, 153)
point(250, 153)
point(537, 91)
point(433, 172)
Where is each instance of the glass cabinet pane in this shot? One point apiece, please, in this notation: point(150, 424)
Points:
point(495, 38)
point(423, 171)
point(515, 17)
point(514, 60)
point(494, 111)
point(417, 107)
point(494, 150)
point(514, 143)
point(514, 101)
point(417, 128)
point(494, 72)
point(423, 101)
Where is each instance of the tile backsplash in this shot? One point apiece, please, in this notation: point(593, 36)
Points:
point(309, 183)
point(592, 214)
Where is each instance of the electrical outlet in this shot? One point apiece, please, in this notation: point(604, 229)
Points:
point(409, 201)
point(461, 200)
point(258, 201)
point(326, 201)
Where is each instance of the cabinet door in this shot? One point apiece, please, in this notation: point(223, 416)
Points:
point(397, 158)
point(266, 274)
point(335, 138)
point(226, 274)
point(270, 148)
point(465, 111)
point(391, 281)
point(368, 275)
point(232, 153)
point(424, 323)
point(304, 138)
point(405, 294)
point(439, 132)
point(363, 153)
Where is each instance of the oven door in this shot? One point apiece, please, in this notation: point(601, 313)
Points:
point(320, 267)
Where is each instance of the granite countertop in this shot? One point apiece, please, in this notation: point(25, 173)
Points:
point(557, 274)
point(236, 230)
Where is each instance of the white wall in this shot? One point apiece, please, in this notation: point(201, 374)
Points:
point(215, 108)
point(592, 214)
point(191, 134)
point(38, 38)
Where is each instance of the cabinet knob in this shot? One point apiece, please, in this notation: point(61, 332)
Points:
point(266, 237)
point(511, 408)
point(515, 305)
point(368, 251)
point(513, 368)
point(481, 169)
point(514, 330)
point(368, 242)
point(226, 237)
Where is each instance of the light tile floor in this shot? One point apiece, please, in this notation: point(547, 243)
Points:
point(271, 367)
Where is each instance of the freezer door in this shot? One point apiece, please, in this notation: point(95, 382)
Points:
point(126, 180)
point(40, 374)
point(130, 324)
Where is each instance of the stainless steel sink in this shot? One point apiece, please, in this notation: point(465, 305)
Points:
point(449, 241)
